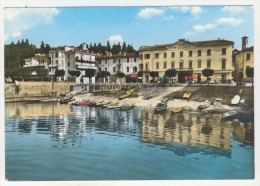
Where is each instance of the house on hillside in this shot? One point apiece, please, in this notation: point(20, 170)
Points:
point(39, 60)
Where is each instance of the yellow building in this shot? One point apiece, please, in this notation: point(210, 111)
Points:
point(189, 59)
point(244, 59)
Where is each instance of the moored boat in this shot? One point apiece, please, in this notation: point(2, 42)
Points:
point(177, 110)
point(66, 100)
point(84, 102)
point(127, 106)
point(111, 104)
point(186, 95)
point(160, 107)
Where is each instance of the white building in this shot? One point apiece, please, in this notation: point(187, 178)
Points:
point(40, 60)
point(72, 59)
point(125, 62)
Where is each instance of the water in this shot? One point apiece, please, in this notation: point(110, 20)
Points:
point(63, 142)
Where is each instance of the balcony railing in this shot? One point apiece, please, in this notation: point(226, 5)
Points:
point(85, 66)
point(184, 69)
point(53, 65)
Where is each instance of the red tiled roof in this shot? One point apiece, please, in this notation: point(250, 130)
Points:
point(196, 43)
point(127, 55)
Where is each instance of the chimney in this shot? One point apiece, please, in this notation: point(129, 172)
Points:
point(244, 42)
point(84, 46)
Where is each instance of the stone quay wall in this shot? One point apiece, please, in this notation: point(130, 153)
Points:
point(37, 89)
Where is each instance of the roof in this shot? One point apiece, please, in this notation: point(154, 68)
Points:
point(249, 49)
point(196, 43)
point(123, 55)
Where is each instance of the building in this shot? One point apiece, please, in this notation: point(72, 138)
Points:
point(189, 59)
point(244, 59)
point(39, 60)
point(73, 59)
point(124, 62)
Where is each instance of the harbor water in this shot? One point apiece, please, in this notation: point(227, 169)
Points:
point(50, 141)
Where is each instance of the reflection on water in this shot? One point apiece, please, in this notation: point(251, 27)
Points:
point(52, 126)
point(187, 128)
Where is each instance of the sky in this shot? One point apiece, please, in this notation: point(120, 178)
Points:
point(139, 26)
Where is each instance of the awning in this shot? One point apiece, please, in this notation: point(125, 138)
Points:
point(191, 77)
point(133, 75)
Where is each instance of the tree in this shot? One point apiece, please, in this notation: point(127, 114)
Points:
point(42, 72)
point(154, 74)
point(90, 73)
point(123, 47)
point(74, 73)
point(250, 73)
point(170, 73)
point(103, 74)
point(120, 75)
point(59, 73)
point(207, 72)
point(108, 47)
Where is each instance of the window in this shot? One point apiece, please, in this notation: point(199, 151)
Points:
point(56, 54)
point(156, 56)
point(190, 64)
point(208, 64)
point(105, 61)
point(165, 55)
point(127, 69)
point(114, 69)
point(190, 53)
point(141, 66)
point(134, 69)
point(223, 64)
point(68, 56)
point(157, 65)
point(114, 60)
point(127, 60)
point(199, 52)
point(209, 52)
point(146, 66)
point(141, 56)
point(173, 54)
point(165, 65)
point(181, 53)
point(56, 61)
point(181, 64)
point(172, 65)
point(106, 69)
point(68, 64)
point(135, 59)
point(147, 56)
point(248, 56)
point(224, 51)
point(199, 64)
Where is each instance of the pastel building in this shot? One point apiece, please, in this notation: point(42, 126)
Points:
point(124, 62)
point(188, 58)
point(244, 59)
point(73, 59)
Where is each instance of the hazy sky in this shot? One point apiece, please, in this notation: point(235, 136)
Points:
point(139, 26)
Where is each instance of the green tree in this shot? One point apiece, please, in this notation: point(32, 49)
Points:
point(90, 73)
point(207, 72)
point(170, 73)
point(42, 73)
point(123, 48)
point(59, 73)
point(74, 73)
point(120, 75)
point(250, 74)
point(103, 74)
point(108, 47)
point(154, 74)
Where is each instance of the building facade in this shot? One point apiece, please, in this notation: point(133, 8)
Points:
point(125, 62)
point(73, 59)
point(244, 59)
point(40, 60)
point(188, 59)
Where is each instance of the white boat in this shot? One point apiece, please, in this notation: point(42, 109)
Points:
point(217, 101)
point(235, 100)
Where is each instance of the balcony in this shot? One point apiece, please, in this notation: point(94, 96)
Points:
point(85, 66)
point(184, 69)
point(53, 66)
